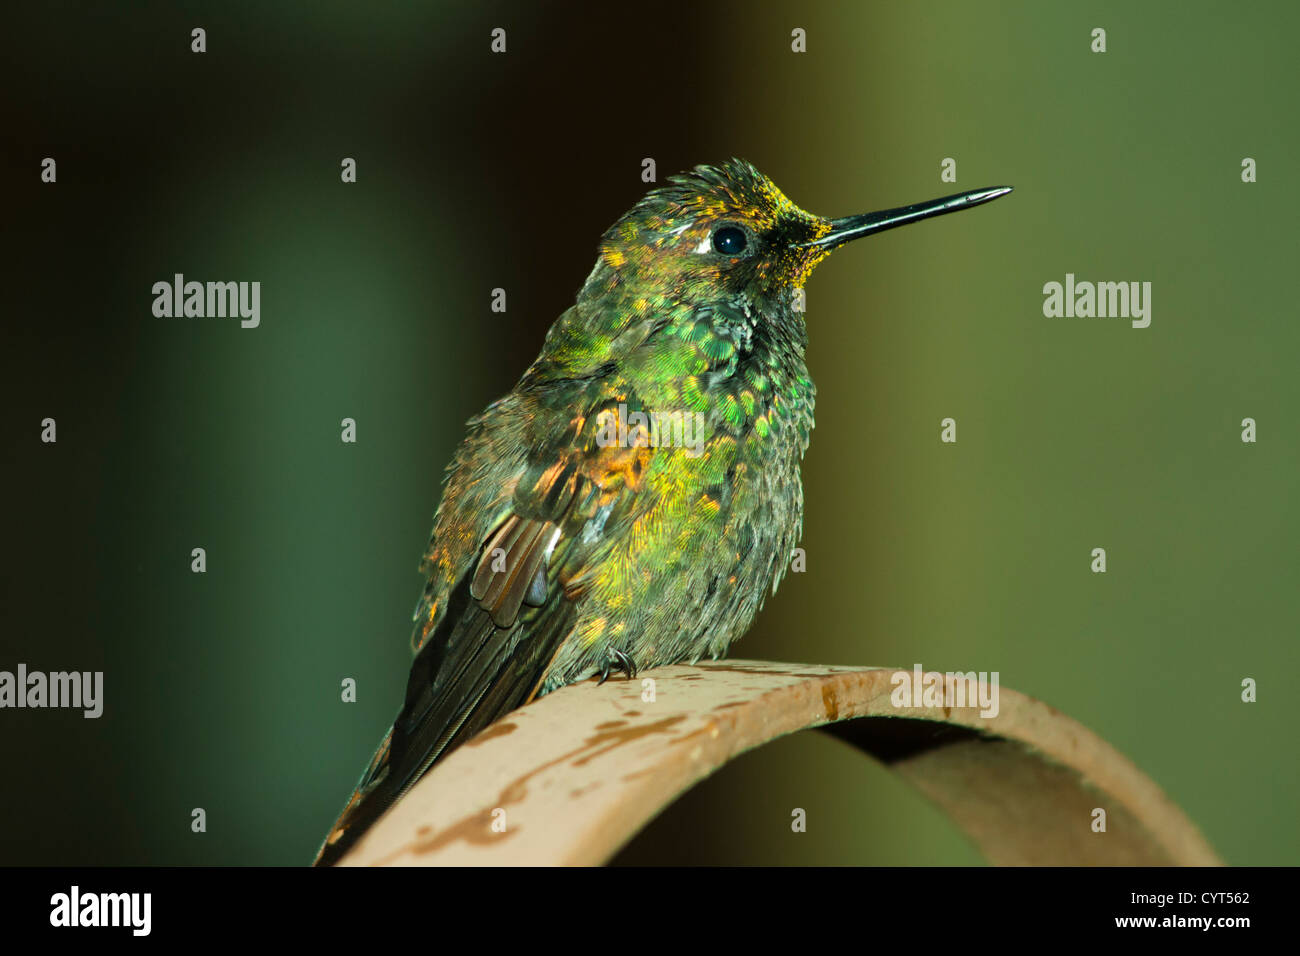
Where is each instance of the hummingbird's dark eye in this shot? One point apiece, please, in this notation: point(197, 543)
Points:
point(730, 240)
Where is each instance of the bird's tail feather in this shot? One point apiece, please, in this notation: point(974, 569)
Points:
point(462, 680)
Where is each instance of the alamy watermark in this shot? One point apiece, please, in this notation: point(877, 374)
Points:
point(80, 690)
point(933, 689)
point(638, 429)
point(1103, 300)
point(198, 300)
point(129, 910)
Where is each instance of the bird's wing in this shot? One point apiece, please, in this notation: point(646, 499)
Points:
point(487, 649)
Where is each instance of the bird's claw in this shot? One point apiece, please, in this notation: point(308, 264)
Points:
point(618, 660)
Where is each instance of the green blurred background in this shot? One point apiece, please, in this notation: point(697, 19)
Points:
point(479, 171)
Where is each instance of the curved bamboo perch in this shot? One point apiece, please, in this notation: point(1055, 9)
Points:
point(577, 774)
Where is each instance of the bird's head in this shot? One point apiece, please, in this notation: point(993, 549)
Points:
point(728, 229)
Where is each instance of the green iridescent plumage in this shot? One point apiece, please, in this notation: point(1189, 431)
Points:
point(635, 498)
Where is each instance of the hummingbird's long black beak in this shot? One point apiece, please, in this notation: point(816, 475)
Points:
point(855, 227)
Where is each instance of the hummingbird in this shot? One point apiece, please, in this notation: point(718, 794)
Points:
point(636, 496)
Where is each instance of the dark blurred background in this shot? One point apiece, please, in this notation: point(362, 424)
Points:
point(478, 171)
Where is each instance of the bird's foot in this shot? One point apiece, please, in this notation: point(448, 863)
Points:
point(617, 660)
